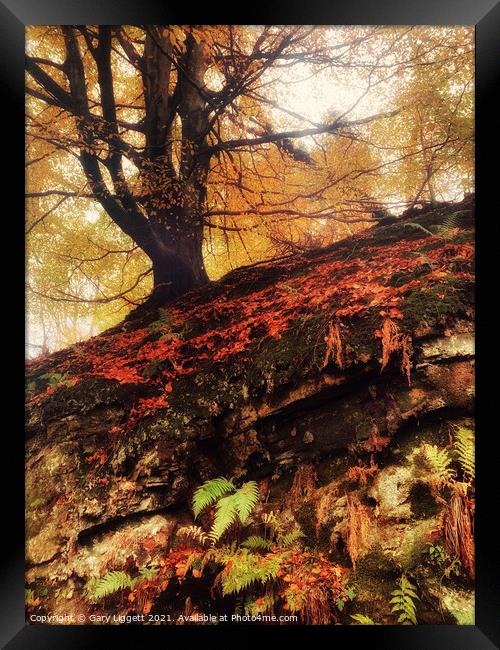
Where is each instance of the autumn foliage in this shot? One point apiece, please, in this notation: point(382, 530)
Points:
point(207, 328)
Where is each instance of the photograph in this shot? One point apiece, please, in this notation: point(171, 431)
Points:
point(250, 326)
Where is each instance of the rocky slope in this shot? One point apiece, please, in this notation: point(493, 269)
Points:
point(326, 377)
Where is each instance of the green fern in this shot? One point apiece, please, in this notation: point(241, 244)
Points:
point(440, 461)
point(362, 619)
point(403, 601)
point(418, 226)
point(233, 507)
point(464, 446)
point(444, 229)
point(226, 513)
point(449, 224)
point(257, 542)
point(209, 492)
point(147, 574)
point(290, 538)
point(247, 498)
point(99, 588)
point(245, 569)
point(260, 606)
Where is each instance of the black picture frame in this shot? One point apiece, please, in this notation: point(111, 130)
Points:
point(485, 15)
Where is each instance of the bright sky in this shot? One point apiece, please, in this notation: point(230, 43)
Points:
point(317, 97)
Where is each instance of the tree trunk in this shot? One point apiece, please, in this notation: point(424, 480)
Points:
point(177, 226)
point(432, 194)
point(180, 267)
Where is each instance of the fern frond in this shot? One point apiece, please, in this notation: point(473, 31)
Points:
point(194, 532)
point(212, 555)
point(209, 492)
point(260, 605)
point(417, 226)
point(464, 446)
point(111, 582)
point(234, 506)
point(245, 568)
point(147, 573)
point(449, 223)
point(403, 601)
point(239, 608)
point(362, 619)
point(192, 562)
point(226, 512)
point(257, 542)
point(440, 461)
point(290, 538)
point(270, 519)
point(246, 499)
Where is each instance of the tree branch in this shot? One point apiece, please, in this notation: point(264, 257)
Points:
point(298, 133)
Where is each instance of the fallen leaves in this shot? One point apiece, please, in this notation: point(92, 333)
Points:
point(229, 326)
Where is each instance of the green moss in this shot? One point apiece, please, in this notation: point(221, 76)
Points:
point(373, 580)
point(453, 298)
point(460, 604)
point(291, 355)
point(86, 395)
point(375, 564)
point(361, 337)
point(394, 233)
point(400, 278)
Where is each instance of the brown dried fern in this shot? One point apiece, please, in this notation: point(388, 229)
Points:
point(304, 482)
point(333, 345)
point(357, 528)
point(395, 341)
point(458, 527)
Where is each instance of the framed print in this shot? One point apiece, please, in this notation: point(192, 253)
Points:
point(249, 279)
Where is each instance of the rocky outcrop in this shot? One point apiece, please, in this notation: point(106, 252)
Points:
point(323, 376)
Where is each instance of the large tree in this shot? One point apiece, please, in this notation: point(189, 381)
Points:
point(154, 153)
point(197, 89)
